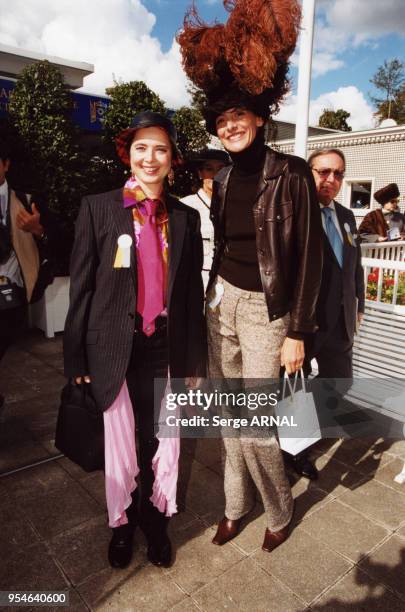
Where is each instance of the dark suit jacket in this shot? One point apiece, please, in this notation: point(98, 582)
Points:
point(340, 286)
point(101, 319)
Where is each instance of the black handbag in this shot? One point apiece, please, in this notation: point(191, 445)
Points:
point(80, 427)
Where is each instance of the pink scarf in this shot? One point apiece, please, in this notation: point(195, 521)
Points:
point(121, 465)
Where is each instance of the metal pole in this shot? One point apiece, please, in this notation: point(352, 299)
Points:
point(304, 77)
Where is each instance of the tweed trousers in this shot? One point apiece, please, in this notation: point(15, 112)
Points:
point(244, 344)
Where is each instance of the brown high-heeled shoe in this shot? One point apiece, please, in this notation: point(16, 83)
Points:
point(227, 530)
point(272, 539)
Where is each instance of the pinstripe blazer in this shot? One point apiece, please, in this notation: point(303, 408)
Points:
point(100, 323)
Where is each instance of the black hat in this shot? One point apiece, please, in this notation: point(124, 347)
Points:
point(387, 193)
point(204, 155)
point(146, 119)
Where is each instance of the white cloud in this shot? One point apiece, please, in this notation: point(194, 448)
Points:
point(323, 62)
point(345, 24)
point(368, 18)
point(114, 35)
point(349, 98)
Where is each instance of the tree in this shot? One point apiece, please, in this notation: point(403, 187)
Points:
point(191, 136)
point(335, 120)
point(390, 80)
point(198, 97)
point(50, 162)
point(40, 110)
point(128, 99)
point(191, 131)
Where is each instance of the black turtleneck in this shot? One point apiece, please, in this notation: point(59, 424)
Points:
point(239, 265)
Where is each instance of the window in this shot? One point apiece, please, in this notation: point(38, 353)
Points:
point(358, 194)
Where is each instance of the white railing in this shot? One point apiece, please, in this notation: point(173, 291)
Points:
point(394, 251)
point(379, 345)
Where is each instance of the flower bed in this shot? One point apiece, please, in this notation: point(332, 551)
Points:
point(387, 290)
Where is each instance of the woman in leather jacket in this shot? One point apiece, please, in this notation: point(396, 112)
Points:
point(266, 271)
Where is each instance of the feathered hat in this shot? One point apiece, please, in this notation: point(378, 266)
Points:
point(243, 62)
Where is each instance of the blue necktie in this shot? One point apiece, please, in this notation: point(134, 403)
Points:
point(333, 235)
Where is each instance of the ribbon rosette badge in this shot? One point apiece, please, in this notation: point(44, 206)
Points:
point(350, 236)
point(123, 255)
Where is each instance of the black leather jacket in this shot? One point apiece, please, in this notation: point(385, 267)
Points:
point(288, 238)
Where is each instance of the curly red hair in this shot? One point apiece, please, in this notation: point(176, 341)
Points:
point(254, 45)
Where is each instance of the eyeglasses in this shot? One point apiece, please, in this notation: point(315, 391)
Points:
point(325, 172)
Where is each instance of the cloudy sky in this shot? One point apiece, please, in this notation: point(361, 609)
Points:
point(134, 39)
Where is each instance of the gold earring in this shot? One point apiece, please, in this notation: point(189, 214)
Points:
point(170, 177)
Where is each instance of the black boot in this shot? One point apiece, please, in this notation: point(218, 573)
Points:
point(154, 525)
point(121, 546)
point(160, 553)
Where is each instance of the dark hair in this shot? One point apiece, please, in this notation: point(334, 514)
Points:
point(320, 152)
point(4, 151)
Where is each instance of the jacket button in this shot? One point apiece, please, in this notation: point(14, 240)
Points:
point(261, 251)
point(278, 217)
point(260, 228)
point(274, 317)
point(267, 273)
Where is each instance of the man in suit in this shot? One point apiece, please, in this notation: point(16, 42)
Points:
point(340, 305)
point(21, 233)
point(136, 307)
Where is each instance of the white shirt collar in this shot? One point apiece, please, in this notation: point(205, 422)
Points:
point(331, 206)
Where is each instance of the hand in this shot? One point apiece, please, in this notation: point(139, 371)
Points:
point(193, 382)
point(30, 223)
point(360, 317)
point(80, 379)
point(292, 355)
point(382, 239)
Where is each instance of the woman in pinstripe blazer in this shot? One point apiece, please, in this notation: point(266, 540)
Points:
point(109, 338)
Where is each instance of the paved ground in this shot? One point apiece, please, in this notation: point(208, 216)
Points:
point(347, 551)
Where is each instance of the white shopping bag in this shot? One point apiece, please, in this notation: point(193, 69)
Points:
point(300, 408)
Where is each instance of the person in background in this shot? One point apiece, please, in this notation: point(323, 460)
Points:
point(136, 315)
point(386, 223)
point(24, 228)
point(266, 270)
point(340, 307)
point(207, 164)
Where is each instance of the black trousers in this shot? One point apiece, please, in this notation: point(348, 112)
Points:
point(149, 360)
point(11, 325)
point(333, 352)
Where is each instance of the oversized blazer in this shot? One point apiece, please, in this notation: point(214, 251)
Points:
point(340, 286)
point(100, 324)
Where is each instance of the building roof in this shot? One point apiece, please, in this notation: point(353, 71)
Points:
point(341, 139)
point(285, 130)
point(13, 60)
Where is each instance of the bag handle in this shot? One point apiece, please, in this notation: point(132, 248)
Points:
point(292, 388)
point(84, 387)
